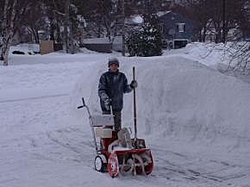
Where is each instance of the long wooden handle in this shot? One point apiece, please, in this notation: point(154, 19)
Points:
point(134, 98)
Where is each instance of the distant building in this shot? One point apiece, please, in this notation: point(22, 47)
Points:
point(102, 45)
point(177, 29)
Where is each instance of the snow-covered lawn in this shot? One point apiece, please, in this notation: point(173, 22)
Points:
point(193, 118)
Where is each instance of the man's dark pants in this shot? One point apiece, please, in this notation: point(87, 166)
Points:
point(117, 119)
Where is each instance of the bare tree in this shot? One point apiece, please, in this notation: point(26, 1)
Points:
point(62, 16)
point(34, 19)
point(216, 17)
point(13, 14)
point(9, 13)
point(242, 57)
point(243, 18)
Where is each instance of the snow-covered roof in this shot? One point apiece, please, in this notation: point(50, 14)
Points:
point(96, 41)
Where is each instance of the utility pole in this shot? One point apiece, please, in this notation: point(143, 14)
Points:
point(224, 21)
point(66, 26)
point(68, 35)
point(123, 28)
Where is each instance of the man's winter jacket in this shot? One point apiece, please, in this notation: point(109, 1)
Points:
point(112, 85)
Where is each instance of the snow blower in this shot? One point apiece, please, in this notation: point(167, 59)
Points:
point(116, 152)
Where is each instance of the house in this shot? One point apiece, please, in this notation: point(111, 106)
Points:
point(177, 29)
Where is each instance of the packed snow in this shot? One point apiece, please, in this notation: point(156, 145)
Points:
point(194, 119)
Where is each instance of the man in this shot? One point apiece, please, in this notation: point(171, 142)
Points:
point(112, 85)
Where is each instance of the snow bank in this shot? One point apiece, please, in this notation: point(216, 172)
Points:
point(26, 49)
point(209, 54)
point(180, 99)
point(193, 102)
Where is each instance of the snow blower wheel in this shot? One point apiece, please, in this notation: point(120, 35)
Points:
point(100, 163)
point(113, 165)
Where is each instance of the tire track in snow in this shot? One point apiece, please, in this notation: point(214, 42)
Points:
point(179, 167)
point(61, 145)
point(33, 98)
point(63, 138)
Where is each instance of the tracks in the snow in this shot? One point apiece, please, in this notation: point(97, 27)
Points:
point(179, 167)
point(33, 98)
point(66, 144)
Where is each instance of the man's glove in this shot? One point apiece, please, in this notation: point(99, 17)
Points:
point(107, 103)
point(133, 84)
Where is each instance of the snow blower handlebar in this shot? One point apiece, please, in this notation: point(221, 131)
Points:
point(84, 105)
point(91, 122)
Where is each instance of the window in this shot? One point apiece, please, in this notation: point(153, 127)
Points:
point(180, 27)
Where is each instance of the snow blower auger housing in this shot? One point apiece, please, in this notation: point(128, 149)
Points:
point(116, 152)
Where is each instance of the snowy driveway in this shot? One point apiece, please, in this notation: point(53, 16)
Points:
point(44, 143)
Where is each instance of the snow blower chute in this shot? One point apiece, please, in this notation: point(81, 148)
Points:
point(116, 152)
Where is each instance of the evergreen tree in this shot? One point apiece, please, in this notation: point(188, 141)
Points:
point(148, 40)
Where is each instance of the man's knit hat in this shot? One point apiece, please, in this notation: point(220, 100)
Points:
point(113, 60)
